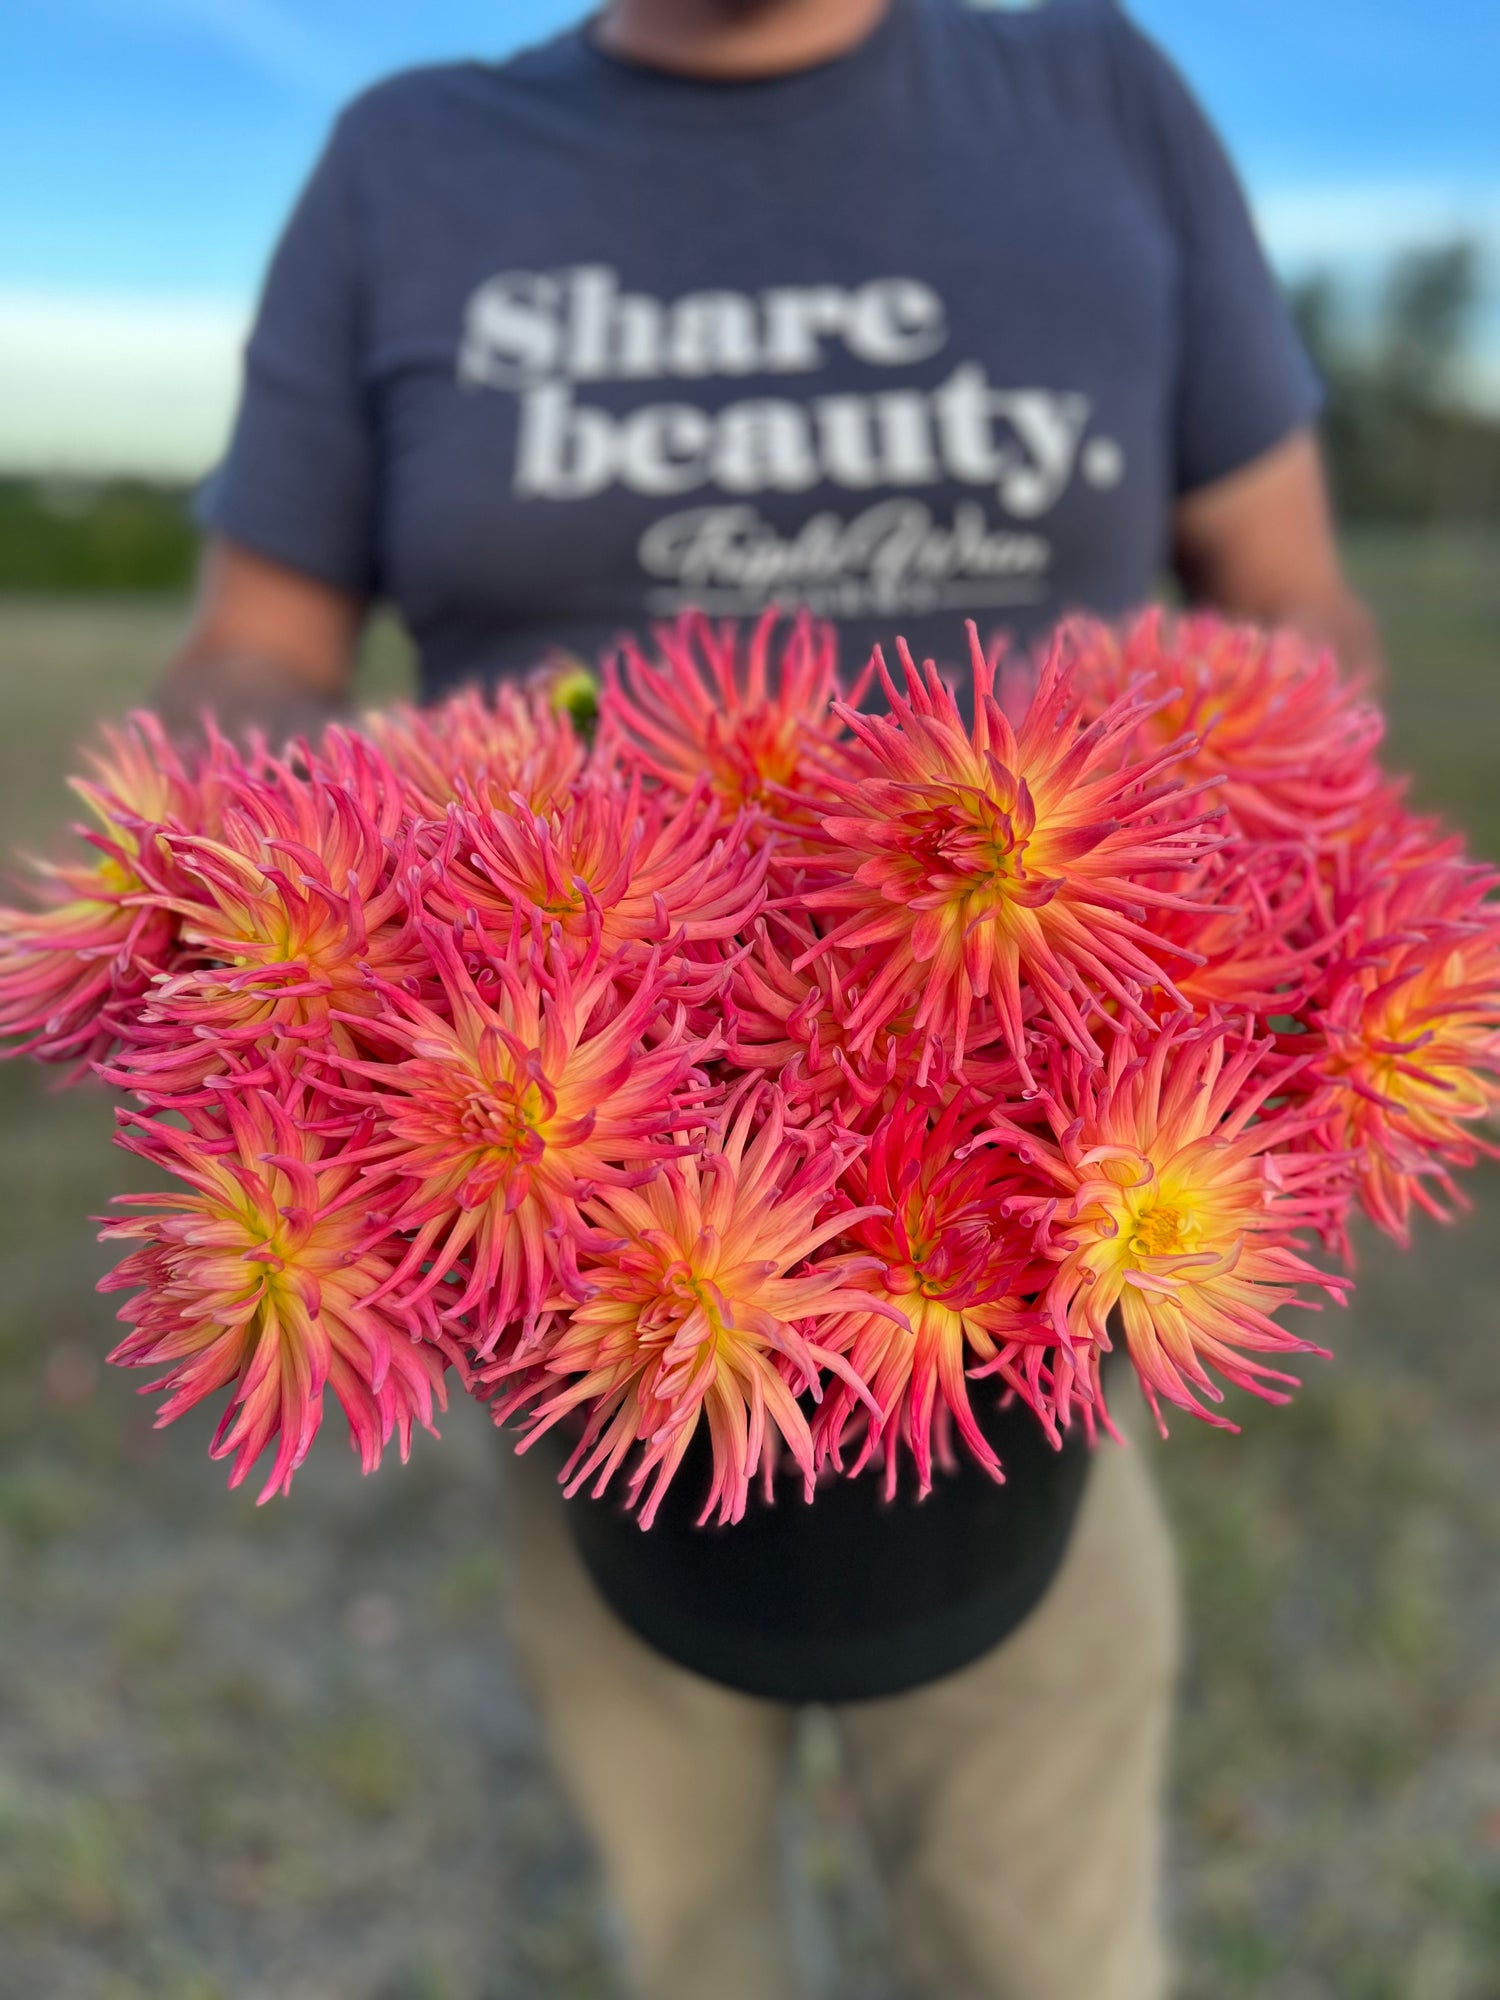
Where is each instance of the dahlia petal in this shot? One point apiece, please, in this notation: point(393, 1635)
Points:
point(265, 1278)
point(708, 1313)
point(963, 861)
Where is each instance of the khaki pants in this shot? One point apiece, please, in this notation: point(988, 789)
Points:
point(1015, 1806)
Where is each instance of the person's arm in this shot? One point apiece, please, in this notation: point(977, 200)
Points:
point(1252, 533)
point(1259, 544)
point(268, 647)
point(290, 560)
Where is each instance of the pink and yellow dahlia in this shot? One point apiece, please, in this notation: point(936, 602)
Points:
point(1254, 940)
point(706, 1298)
point(1174, 1195)
point(270, 1277)
point(72, 969)
point(283, 918)
point(488, 748)
point(956, 1272)
point(1289, 742)
point(988, 864)
point(706, 709)
point(530, 1086)
point(1411, 1033)
point(610, 872)
point(787, 1018)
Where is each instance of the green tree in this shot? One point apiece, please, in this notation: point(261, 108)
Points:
point(1431, 298)
point(1402, 442)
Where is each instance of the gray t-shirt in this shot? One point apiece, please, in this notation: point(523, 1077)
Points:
point(554, 347)
point(939, 329)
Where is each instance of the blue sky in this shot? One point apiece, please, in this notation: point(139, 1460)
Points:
point(149, 148)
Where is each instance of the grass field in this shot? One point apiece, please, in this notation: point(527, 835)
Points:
point(278, 1754)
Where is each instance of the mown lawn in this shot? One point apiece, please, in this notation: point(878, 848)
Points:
point(277, 1754)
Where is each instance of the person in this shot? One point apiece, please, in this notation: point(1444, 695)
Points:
point(905, 310)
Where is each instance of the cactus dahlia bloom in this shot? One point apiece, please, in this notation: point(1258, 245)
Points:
point(299, 897)
point(957, 1273)
point(706, 1297)
point(263, 1278)
point(1412, 1036)
point(1290, 742)
point(705, 710)
point(791, 1025)
point(977, 863)
point(342, 760)
point(487, 747)
point(528, 1090)
point(1256, 942)
point(1178, 1199)
point(610, 871)
point(66, 968)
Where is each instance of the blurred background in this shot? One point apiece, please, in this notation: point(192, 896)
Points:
point(277, 1754)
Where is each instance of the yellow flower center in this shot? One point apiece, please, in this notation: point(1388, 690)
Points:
point(692, 1291)
point(504, 1121)
point(268, 1263)
point(915, 1278)
point(115, 879)
point(758, 751)
point(980, 840)
point(1171, 1220)
point(1440, 1071)
point(1159, 1231)
point(685, 1294)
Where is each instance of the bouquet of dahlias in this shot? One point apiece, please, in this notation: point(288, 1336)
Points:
point(768, 1062)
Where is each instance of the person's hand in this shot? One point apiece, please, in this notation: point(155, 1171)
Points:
point(1261, 545)
point(268, 649)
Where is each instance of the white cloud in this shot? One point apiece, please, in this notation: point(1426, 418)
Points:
point(97, 383)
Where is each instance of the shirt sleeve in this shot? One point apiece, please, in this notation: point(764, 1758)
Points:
point(297, 482)
point(1244, 381)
